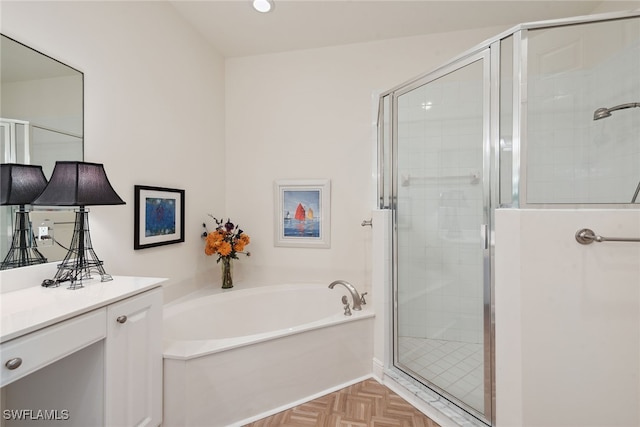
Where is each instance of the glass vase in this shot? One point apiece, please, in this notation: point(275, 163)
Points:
point(227, 276)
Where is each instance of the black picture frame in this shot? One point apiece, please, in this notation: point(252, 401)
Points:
point(158, 216)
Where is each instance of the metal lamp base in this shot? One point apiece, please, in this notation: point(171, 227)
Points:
point(81, 260)
point(23, 250)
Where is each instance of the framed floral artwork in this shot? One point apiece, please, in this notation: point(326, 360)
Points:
point(158, 217)
point(303, 213)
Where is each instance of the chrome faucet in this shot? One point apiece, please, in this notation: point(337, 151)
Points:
point(357, 299)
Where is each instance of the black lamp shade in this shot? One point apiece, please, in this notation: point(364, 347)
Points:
point(78, 184)
point(20, 184)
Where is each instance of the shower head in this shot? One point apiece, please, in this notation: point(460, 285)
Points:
point(601, 113)
point(604, 112)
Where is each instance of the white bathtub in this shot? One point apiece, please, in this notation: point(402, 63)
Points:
point(233, 357)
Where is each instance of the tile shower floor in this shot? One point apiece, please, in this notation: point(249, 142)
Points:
point(456, 367)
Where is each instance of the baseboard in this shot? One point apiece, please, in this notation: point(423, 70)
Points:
point(299, 402)
point(378, 369)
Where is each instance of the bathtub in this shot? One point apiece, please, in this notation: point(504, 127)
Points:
point(236, 356)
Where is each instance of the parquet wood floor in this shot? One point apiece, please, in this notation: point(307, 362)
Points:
point(365, 404)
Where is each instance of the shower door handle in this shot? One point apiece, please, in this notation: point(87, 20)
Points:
point(484, 235)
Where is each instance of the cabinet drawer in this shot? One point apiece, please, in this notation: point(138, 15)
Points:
point(40, 348)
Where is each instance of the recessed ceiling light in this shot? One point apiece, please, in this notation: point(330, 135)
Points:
point(263, 6)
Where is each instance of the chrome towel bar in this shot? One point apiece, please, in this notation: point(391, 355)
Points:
point(586, 236)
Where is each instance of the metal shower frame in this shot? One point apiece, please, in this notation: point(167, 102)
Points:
point(387, 154)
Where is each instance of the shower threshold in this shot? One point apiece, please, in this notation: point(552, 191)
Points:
point(435, 406)
point(451, 365)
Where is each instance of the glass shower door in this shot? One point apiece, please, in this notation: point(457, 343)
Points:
point(440, 240)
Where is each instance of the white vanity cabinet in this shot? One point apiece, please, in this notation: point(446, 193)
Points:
point(133, 383)
point(86, 357)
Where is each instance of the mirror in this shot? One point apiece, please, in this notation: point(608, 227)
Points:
point(41, 121)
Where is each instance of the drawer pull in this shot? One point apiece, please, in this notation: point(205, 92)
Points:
point(13, 363)
point(121, 319)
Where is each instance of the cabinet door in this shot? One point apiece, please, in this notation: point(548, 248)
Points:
point(133, 374)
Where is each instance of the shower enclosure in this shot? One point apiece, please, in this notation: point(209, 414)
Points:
point(518, 122)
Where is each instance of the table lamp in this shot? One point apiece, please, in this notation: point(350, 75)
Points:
point(20, 185)
point(79, 184)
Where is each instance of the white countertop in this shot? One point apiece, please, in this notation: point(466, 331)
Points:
point(27, 310)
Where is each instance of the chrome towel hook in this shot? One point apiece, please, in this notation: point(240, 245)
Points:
point(586, 236)
point(366, 222)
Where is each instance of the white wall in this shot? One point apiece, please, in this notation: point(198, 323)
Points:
point(154, 115)
point(567, 319)
point(309, 114)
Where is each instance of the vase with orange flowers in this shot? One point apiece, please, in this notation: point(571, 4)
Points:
point(227, 241)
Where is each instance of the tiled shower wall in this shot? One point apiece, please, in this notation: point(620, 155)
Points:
point(570, 158)
point(572, 72)
point(440, 212)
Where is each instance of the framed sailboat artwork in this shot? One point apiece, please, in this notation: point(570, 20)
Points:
point(303, 213)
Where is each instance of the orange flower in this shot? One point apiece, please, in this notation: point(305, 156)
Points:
point(225, 248)
point(210, 240)
point(238, 246)
point(227, 240)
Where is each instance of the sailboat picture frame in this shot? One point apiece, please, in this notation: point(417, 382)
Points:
point(302, 213)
